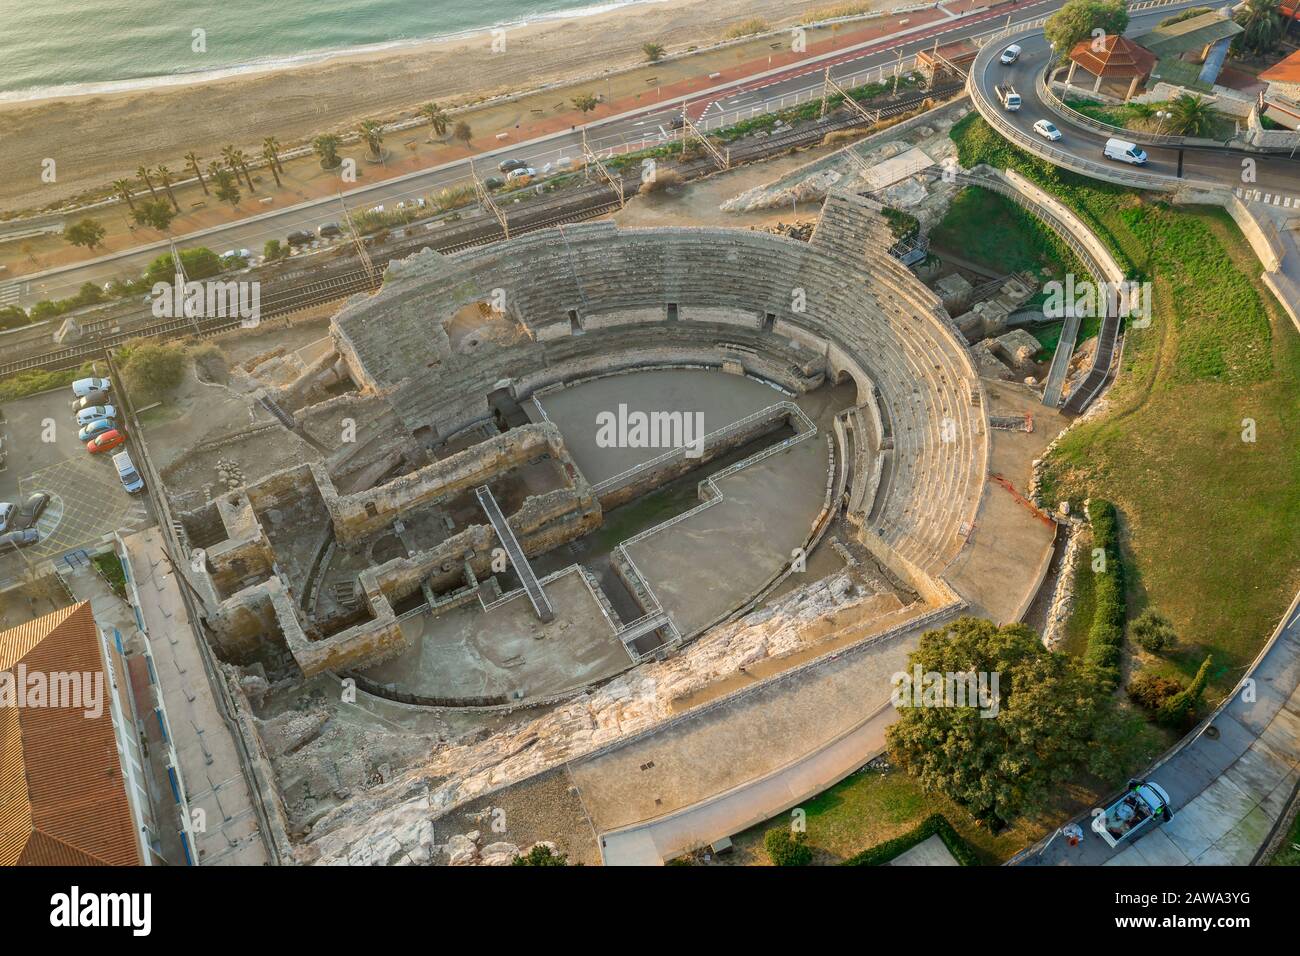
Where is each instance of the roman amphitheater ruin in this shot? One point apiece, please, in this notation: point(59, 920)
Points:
point(439, 592)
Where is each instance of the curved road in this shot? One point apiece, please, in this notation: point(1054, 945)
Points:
point(1275, 174)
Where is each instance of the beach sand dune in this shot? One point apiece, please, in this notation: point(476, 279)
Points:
point(95, 139)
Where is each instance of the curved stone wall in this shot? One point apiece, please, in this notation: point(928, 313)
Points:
point(584, 294)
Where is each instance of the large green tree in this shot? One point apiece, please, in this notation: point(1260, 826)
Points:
point(1051, 712)
point(1079, 18)
point(87, 232)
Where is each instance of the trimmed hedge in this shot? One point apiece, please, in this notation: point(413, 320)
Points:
point(882, 853)
point(1106, 636)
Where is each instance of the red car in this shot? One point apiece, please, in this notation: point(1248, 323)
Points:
point(104, 442)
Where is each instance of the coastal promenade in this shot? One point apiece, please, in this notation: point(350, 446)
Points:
point(861, 52)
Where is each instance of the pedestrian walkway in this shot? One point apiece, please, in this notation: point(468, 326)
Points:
point(209, 776)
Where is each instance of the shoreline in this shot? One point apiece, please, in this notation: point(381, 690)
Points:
point(97, 138)
point(37, 95)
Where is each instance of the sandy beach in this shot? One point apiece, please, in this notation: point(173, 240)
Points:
point(97, 138)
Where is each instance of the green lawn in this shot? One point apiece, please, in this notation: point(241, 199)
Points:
point(1211, 523)
point(870, 807)
point(991, 230)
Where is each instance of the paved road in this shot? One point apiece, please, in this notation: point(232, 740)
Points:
point(1228, 784)
point(1276, 174)
point(757, 94)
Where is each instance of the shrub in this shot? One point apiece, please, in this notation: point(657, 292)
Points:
point(540, 855)
point(199, 263)
point(1180, 709)
point(882, 853)
point(747, 28)
point(152, 368)
point(12, 316)
point(786, 848)
point(273, 250)
point(1106, 635)
point(1151, 690)
point(1152, 632)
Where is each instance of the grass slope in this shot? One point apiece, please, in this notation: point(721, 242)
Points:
point(1210, 523)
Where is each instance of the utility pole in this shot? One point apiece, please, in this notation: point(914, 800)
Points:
point(487, 202)
point(591, 159)
point(362, 254)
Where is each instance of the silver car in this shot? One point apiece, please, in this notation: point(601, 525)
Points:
point(88, 415)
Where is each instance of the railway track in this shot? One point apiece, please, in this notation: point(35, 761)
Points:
point(591, 202)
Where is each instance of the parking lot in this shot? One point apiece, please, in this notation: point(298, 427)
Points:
point(87, 499)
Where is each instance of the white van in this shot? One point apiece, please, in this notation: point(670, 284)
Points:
point(1124, 152)
point(131, 479)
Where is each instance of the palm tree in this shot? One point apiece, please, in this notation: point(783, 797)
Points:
point(271, 150)
point(327, 148)
point(1262, 20)
point(143, 173)
point(227, 184)
point(124, 190)
point(192, 158)
point(165, 175)
point(268, 153)
point(437, 118)
point(373, 134)
point(653, 52)
point(238, 163)
point(462, 132)
point(1191, 115)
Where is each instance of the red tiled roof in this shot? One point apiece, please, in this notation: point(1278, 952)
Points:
point(1118, 58)
point(1283, 71)
point(62, 795)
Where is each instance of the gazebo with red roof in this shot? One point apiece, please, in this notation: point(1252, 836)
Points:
point(1112, 59)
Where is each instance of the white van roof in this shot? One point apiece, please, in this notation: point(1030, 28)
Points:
point(1120, 144)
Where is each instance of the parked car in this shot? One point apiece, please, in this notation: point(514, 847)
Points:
point(1010, 54)
point(88, 415)
point(510, 165)
point(97, 427)
point(32, 509)
point(1047, 130)
point(1124, 152)
point(105, 442)
point(1144, 805)
point(84, 386)
point(7, 511)
point(494, 182)
point(131, 479)
point(299, 238)
point(91, 400)
point(328, 230)
point(18, 539)
point(517, 174)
